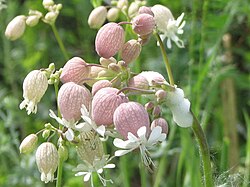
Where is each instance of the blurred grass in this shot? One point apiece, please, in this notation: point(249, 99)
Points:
point(199, 69)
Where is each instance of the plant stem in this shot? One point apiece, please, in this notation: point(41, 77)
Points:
point(53, 26)
point(59, 173)
point(204, 151)
point(165, 58)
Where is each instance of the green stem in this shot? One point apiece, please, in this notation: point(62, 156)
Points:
point(53, 26)
point(204, 151)
point(165, 58)
point(59, 173)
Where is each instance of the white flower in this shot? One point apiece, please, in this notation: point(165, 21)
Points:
point(15, 28)
point(69, 124)
point(140, 142)
point(35, 85)
point(168, 26)
point(98, 165)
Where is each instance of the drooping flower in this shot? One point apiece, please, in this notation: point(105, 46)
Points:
point(35, 85)
point(99, 164)
point(131, 50)
point(104, 103)
point(162, 123)
point(47, 161)
point(141, 142)
point(71, 97)
point(168, 26)
point(143, 24)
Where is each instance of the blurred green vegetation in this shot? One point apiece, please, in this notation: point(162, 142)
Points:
point(213, 73)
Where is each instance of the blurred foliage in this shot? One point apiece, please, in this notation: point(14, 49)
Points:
point(199, 69)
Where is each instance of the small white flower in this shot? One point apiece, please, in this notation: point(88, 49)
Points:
point(140, 142)
point(69, 124)
point(168, 26)
point(89, 124)
point(98, 165)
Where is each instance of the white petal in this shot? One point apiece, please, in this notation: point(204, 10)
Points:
point(53, 115)
point(109, 166)
point(83, 127)
point(87, 177)
point(182, 25)
point(154, 135)
point(101, 130)
point(69, 134)
point(132, 138)
point(180, 31)
point(169, 43)
point(122, 152)
point(141, 132)
point(84, 111)
point(87, 119)
point(81, 173)
point(100, 170)
point(120, 143)
point(179, 19)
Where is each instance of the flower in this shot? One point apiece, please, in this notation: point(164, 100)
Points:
point(168, 26)
point(28, 144)
point(98, 165)
point(16, 28)
point(35, 85)
point(47, 161)
point(141, 142)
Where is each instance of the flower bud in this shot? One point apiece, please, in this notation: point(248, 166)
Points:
point(133, 9)
point(50, 17)
point(131, 50)
point(129, 117)
point(156, 111)
point(138, 81)
point(109, 40)
point(145, 10)
point(149, 106)
point(113, 14)
point(63, 152)
point(15, 28)
point(75, 70)
point(104, 103)
point(97, 17)
point(144, 39)
point(35, 85)
point(46, 134)
point(28, 144)
point(99, 85)
point(114, 67)
point(47, 161)
point(93, 74)
point(48, 3)
point(143, 24)
point(105, 62)
point(160, 95)
point(105, 73)
point(162, 123)
point(89, 147)
point(153, 77)
point(71, 97)
point(32, 21)
point(122, 4)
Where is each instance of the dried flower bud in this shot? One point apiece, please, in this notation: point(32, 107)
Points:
point(15, 28)
point(162, 123)
point(97, 17)
point(153, 77)
point(106, 62)
point(109, 40)
point(113, 14)
point(75, 70)
point(99, 85)
point(89, 147)
point(149, 106)
point(138, 81)
point(160, 95)
point(131, 50)
point(35, 85)
point(129, 117)
point(156, 111)
point(143, 24)
point(71, 97)
point(133, 9)
point(47, 161)
point(28, 144)
point(114, 67)
point(104, 103)
point(145, 10)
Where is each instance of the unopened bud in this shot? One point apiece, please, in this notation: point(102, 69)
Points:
point(149, 106)
point(113, 14)
point(47, 161)
point(46, 134)
point(32, 21)
point(50, 17)
point(109, 40)
point(145, 10)
point(143, 24)
point(15, 28)
point(105, 62)
point(160, 95)
point(63, 152)
point(28, 144)
point(114, 67)
point(138, 81)
point(97, 17)
point(160, 122)
point(156, 111)
point(133, 9)
point(105, 73)
point(122, 4)
point(131, 50)
point(48, 3)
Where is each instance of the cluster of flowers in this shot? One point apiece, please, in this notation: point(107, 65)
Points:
point(89, 117)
